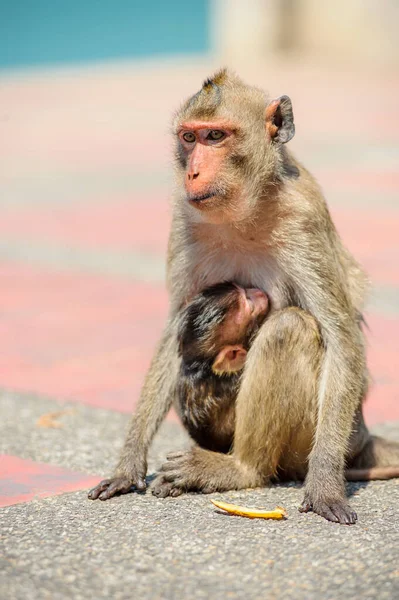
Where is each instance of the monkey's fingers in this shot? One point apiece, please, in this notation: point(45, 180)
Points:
point(140, 484)
point(96, 491)
point(172, 465)
point(252, 513)
point(162, 488)
point(117, 486)
point(177, 477)
point(110, 487)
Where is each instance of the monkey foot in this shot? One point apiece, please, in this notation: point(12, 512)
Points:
point(179, 474)
point(338, 511)
point(161, 488)
point(117, 485)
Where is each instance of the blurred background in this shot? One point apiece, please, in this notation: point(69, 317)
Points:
point(87, 90)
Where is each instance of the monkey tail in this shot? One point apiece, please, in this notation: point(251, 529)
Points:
point(372, 474)
point(379, 459)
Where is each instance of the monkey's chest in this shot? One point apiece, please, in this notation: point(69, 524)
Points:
point(249, 266)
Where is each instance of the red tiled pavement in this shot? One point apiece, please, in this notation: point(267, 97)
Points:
point(23, 480)
point(78, 337)
point(140, 223)
point(90, 339)
point(383, 351)
point(355, 179)
point(372, 235)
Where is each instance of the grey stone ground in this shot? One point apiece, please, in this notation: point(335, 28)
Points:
point(139, 546)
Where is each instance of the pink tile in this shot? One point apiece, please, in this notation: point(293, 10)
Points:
point(22, 480)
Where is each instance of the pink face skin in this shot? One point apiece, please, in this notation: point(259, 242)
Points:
point(252, 303)
point(206, 145)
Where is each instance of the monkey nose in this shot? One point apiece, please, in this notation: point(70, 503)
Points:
point(192, 175)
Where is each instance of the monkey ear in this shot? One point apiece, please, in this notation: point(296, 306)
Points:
point(280, 120)
point(229, 360)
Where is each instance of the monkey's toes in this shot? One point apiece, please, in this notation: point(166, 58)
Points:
point(110, 487)
point(96, 491)
point(305, 507)
point(343, 513)
point(337, 512)
point(162, 488)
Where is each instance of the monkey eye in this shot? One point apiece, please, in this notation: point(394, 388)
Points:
point(188, 137)
point(215, 135)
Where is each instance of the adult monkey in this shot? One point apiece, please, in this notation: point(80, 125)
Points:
point(247, 211)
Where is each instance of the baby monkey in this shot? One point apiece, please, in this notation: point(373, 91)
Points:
point(215, 333)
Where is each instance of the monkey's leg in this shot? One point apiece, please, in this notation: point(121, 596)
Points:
point(278, 396)
point(203, 471)
point(155, 401)
point(341, 391)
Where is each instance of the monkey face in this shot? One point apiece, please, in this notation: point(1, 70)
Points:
point(205, 148)
point(243, 316)
point(206, 145)
point(229, 141)
point(224, 315)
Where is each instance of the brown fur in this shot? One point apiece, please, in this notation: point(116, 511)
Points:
point(213, 323)
point(267, 226)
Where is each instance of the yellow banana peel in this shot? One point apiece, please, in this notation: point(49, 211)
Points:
point(251, 513)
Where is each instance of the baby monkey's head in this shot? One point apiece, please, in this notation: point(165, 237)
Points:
point(218, 325)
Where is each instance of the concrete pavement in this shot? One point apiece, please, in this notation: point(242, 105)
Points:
point(66, 546)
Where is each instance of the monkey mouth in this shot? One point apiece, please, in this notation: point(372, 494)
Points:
point(200, 198)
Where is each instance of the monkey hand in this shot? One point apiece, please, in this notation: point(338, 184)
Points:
point(116, 485)
point(337, 510)
point(182, 472)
